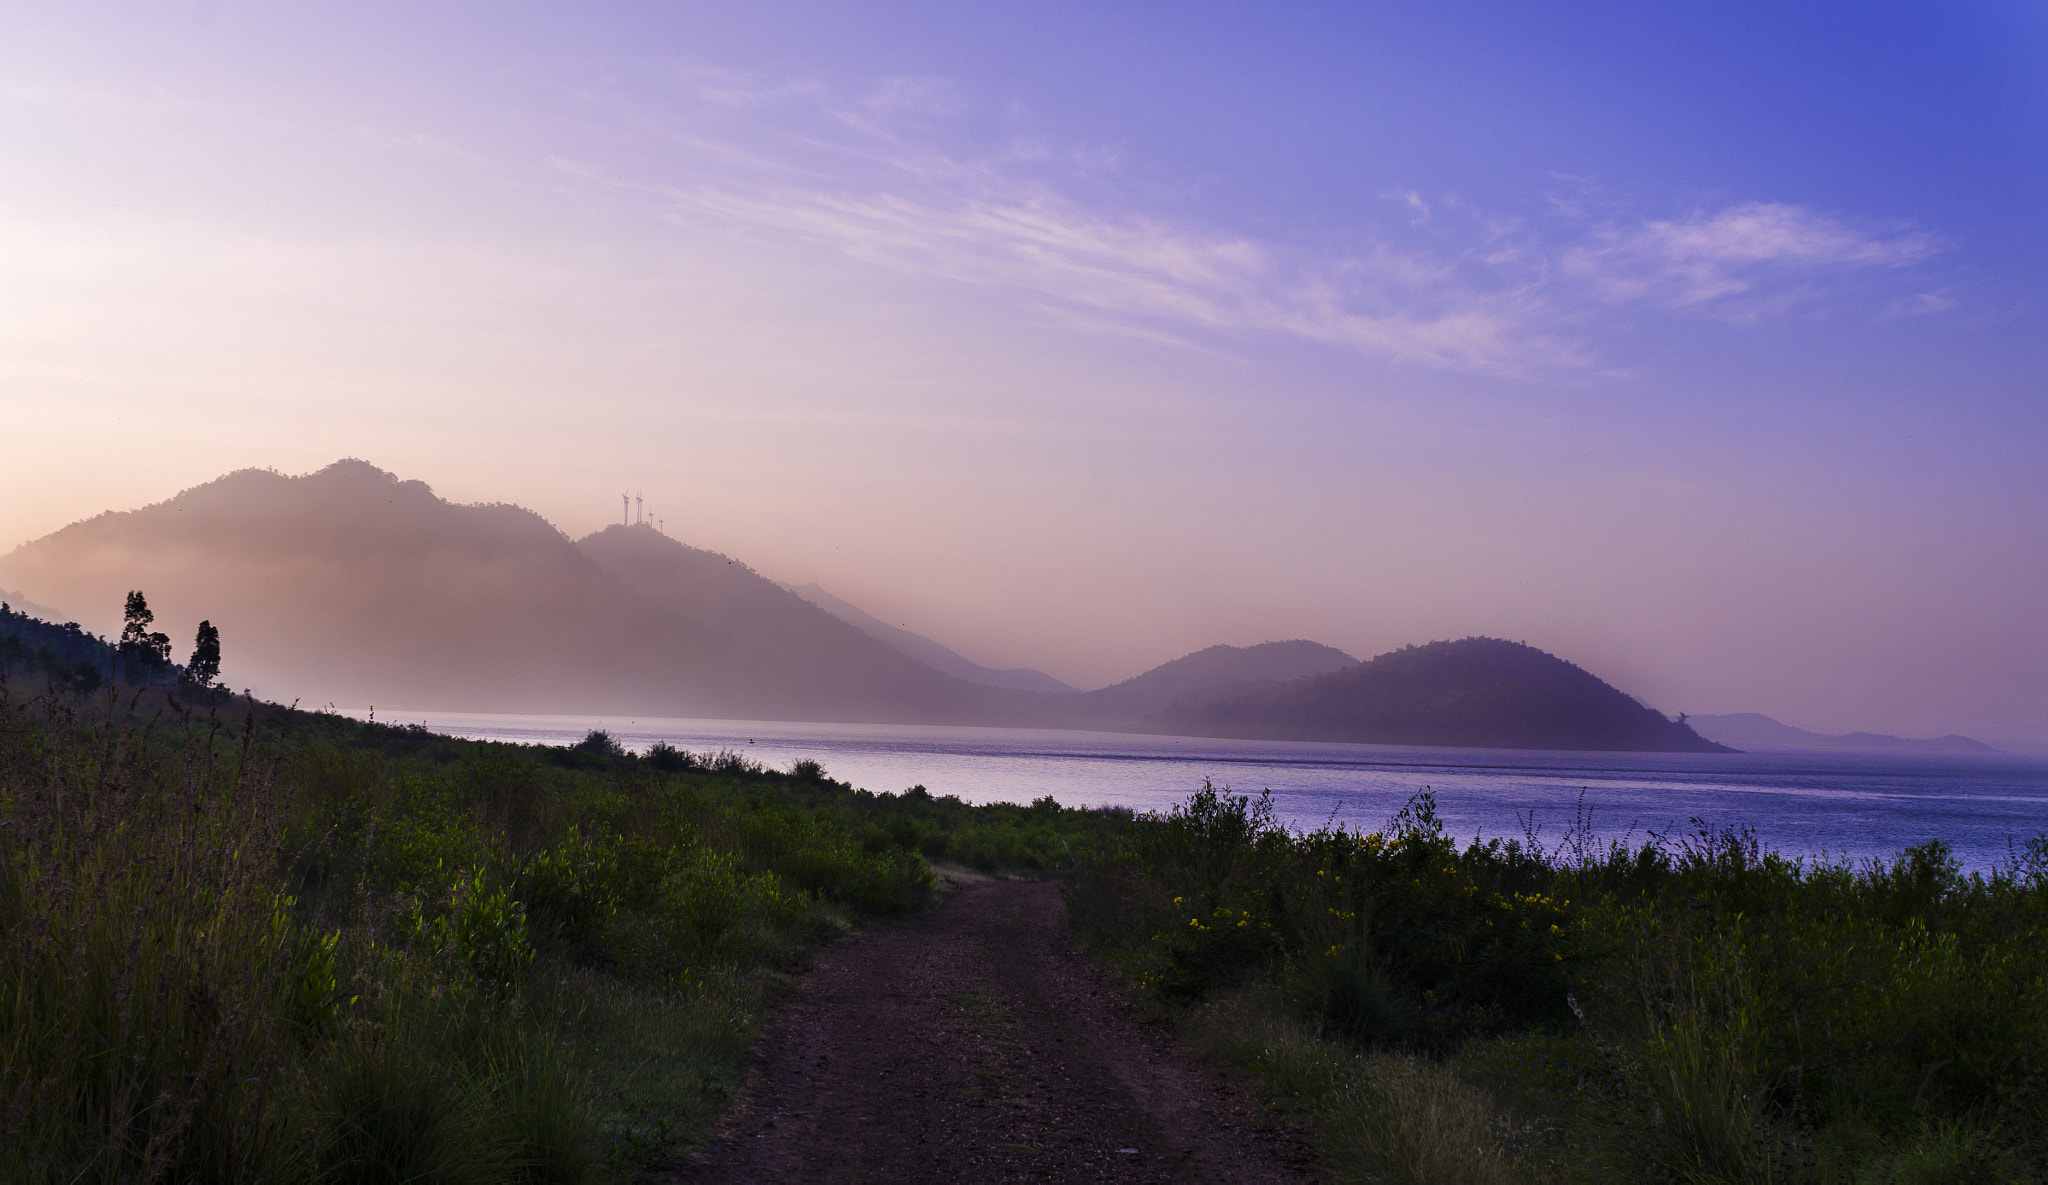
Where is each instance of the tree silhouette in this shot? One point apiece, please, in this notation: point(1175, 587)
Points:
point(600, 743)
point(143, 652)
point(204, 665)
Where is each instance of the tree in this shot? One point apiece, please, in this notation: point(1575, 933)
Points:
point(600, 743)
point(143, 651)
point(204, 665)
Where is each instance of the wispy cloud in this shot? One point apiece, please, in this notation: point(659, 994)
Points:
point(1441, 285)
point(1159, 275)
point(1743, 261)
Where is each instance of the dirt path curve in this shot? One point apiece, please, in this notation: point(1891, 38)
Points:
point(976, 1045)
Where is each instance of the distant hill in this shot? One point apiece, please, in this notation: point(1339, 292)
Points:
point(1205, 673)
point(1754, 730)
point(766, 651)
point(1478, 693)
point(23, 605)
point(351, 586)
point(936, 655)
point(347, 585)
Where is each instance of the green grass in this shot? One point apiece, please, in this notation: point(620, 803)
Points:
point(249, 943)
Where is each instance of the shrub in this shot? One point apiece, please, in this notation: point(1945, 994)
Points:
point(571, 893)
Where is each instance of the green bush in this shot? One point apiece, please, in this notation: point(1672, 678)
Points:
point(571, 893)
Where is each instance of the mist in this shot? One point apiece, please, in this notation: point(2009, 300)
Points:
point(1739, 408)
point(351, 586)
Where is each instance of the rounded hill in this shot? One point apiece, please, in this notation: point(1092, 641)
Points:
point(1474, 693)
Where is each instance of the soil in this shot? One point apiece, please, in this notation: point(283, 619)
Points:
point(976, 1044)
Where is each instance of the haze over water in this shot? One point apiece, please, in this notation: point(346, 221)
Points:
point(1837, 804)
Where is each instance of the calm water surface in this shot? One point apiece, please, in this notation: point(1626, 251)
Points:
point(1800, 803)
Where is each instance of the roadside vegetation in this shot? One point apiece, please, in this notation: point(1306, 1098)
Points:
point(248, 943)
point(1690, 1009)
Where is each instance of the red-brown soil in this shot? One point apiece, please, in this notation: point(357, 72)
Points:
point(975, 1044)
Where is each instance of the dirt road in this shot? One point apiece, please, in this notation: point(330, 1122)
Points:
point(976, 1045)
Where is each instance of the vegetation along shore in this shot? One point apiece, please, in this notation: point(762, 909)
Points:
point(245, 942)
point(250, 943)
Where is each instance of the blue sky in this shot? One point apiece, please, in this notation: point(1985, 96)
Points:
point(1702, 345)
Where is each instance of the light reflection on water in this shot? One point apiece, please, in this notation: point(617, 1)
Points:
point(1852, 805)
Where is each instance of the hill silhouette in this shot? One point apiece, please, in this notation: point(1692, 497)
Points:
point(1754, 730)
point(1475, 693)
point(1144, 699)
point(65, 653)
point(351, 586)
point(935, 655)
point(756, 648)
point(21, 604)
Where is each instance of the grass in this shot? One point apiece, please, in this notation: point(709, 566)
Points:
point(248, 943)
point(657, 1067)
point(1693, 1009)
point(1380, 1116)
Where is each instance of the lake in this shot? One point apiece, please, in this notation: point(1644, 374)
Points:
point(1804, 803)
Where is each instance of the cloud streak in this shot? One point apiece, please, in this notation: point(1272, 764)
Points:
point(869, 178)
point(1744, 261)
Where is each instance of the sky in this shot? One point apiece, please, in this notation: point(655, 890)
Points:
point(1704, 345)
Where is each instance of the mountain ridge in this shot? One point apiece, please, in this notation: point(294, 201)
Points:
point(351, 585)
point(1754, 730)
point(934, 654)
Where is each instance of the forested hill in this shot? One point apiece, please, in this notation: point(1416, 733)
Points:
point(1476, 693)
point(68, 655)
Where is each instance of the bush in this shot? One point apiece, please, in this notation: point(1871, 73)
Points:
point(571, 893)
point(1749, 1014)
